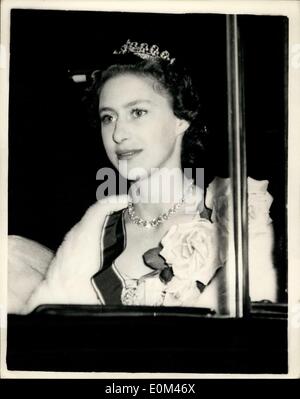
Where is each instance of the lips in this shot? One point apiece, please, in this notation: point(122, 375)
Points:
point(127, 154)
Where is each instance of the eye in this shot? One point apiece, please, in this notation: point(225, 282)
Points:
point(138, 112)
point(106, 119)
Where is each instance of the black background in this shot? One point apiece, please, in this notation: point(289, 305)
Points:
point(53, 152)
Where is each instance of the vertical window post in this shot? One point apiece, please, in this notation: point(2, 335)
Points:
point(237, 164)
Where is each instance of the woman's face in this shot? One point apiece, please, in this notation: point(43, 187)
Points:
point(139, 128)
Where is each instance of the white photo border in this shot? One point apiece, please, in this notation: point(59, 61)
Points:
point(288, 8)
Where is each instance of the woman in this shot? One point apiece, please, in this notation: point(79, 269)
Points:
point(152, 246)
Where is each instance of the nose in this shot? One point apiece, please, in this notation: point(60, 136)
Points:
point(120, 132)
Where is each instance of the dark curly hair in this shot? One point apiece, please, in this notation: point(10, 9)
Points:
point(173, 80)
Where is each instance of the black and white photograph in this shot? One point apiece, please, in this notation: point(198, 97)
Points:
point(149, 172)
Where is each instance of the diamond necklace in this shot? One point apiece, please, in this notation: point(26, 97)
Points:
point(148, 224)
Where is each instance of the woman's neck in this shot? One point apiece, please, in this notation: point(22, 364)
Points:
point(158, 192)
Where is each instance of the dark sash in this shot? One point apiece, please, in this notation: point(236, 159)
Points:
point(113, 241)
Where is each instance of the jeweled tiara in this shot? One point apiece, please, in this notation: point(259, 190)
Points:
point(143, 50)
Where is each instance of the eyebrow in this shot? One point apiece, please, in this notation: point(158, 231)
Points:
point(130, 104)
point(135, 102)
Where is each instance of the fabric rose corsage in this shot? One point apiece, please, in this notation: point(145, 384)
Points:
point(187, 259)
point(191, 249)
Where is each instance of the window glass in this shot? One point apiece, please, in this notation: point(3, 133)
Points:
point(264, 62)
